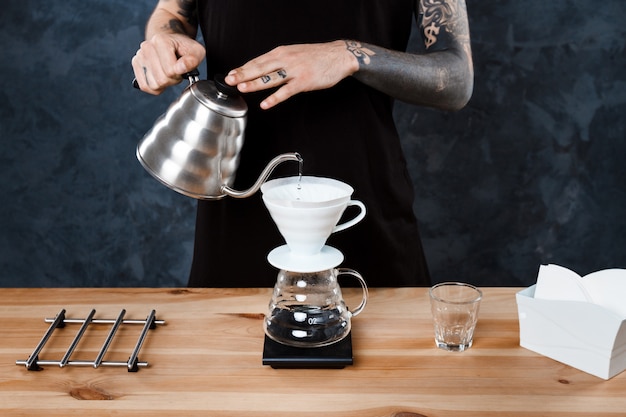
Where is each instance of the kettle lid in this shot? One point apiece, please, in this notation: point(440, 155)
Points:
point(219, 97)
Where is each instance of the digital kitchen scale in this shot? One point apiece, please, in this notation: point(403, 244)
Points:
point(335, 356)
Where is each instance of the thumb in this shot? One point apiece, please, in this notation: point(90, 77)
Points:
point(184, 64)
point(190, 55)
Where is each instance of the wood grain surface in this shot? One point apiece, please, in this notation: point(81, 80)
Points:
point(206, 360)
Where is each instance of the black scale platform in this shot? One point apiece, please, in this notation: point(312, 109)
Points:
point(335, 356)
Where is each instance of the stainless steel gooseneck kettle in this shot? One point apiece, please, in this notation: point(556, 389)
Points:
point(193, 148)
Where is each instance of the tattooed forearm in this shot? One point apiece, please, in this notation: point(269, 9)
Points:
point(439, 76)
point(173, 17)
point(361, 53)
point(188, 11)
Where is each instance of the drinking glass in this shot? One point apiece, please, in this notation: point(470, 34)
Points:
point(454, 306)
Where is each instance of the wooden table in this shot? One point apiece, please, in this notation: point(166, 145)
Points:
point(206, 360)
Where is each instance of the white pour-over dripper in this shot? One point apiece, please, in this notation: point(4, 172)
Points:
point(306, 211)
point(306, 192)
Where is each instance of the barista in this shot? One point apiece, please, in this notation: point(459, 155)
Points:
point(319, 78)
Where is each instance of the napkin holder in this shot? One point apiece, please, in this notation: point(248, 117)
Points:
point(583, 335)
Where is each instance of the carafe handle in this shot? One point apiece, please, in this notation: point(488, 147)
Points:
point(348, 271)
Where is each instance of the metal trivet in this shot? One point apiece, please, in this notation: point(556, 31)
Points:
point(33, 362)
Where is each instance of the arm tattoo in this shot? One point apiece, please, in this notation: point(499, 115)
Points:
point(176, 26)
point(361, 53)
point(188, 11)
point(438, 15)
point(440, 75)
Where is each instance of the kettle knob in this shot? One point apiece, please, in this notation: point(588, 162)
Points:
point(224, 88)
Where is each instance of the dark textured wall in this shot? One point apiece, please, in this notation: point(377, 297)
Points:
point(532, 171)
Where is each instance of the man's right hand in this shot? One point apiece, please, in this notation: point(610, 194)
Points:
point(162, 60)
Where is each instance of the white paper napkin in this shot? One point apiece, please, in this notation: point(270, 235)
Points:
point(606, 288)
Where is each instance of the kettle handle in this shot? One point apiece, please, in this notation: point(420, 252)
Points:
point(192, 76)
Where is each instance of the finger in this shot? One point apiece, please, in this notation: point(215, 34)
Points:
point(273, 78)
point(265, 81)
point(141, 73)
point(148, 71)
point(185, 64)
point(255, 69)
point(281, 95)
point(190, 55)
point(163, 66)
point(161, 55)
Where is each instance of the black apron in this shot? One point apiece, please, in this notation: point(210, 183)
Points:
point(346, 132)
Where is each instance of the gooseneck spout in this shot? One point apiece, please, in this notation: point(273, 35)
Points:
point(293, 156)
